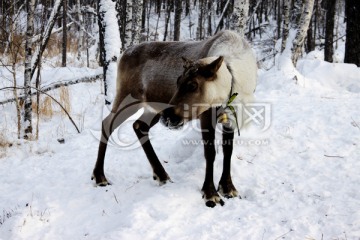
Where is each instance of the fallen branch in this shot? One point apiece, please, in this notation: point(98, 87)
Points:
point(46, 36)
point(37, 38)
point(21, 88)
point(222, 16)
point(330, 156)
point(57, 85)
point(80, 25)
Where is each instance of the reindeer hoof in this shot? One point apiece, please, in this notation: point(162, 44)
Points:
point(212, 204)
point(163, 180)
point(212, 198)
point(227, 189)
point(100, 181)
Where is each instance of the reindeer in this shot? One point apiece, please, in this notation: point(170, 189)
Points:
point(152, 76)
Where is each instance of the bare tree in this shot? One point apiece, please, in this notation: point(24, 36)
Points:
point(177, 20)
point(110, 45)
point(136, 21)
point(121, 18)
point(302, 30)
point(240, 16)
point(220, 23)
point(286, 24)
point(30, 7)
point(329, 32)
point(210, 15)
point(167, 18)
point(81, 34)
point(64, 33)
point(352, 45)
point(46, 36)
point(200, 27)
point(133, 17)
point(13, 50)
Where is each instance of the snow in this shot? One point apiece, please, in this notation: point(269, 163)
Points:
point(112, 44)
point(298, 179)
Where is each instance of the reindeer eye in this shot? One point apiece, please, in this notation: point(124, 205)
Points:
point(192, 86)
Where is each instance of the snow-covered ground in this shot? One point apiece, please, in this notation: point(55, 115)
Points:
point(298, 177)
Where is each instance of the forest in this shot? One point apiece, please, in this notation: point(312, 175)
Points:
point(97, 32)
point(295, 167)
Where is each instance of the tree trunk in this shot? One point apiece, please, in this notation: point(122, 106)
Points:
point(120, 7)
point(167, 19)
point(329, 32)
point(177, 20)
point(53, 16)
point(240, 16)
point(210, 15)
point(110, 45)
point(286, 24)
point(101, 37)
point(30, 7)
point(221, 21)
point(129, 25)
point(199, 30)
point(187, 7)
point(143, 16)
point(64, 36)
point(278, 20)
point(302, 30)
point(81, 34)
point(136, 21)
point(310, 43)
point(352, 44)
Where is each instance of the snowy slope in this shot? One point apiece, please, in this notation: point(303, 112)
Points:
point(298, 179)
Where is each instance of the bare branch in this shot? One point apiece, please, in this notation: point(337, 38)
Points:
point(22, 88)
point(38, 37)
point(58, 85)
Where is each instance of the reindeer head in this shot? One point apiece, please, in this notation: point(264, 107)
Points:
point(203, 83)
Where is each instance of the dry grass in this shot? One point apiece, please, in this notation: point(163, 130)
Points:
point(47, 109)
point(54, 48)
point(65, 99)
point(4, 145)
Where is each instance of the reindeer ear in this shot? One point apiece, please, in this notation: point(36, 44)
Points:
point(187, 62)
point(210, 69)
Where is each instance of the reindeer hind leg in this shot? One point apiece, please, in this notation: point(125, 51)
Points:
point(109, 124)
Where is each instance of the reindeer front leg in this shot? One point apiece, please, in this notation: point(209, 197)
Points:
point(210, 194)
point(141, 128)
point(226, 187)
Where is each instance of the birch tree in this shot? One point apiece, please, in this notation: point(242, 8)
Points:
point(286, 24)
point(121, 18)
point(45, 38)
point(133, 22)
point(110, 46)
point(136, 21)
point(302, 30)
point(30, 7)
point(240, 16)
